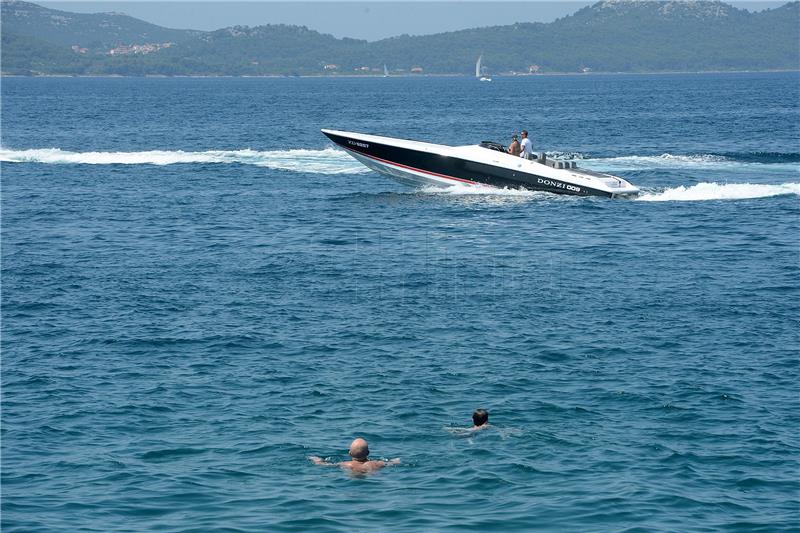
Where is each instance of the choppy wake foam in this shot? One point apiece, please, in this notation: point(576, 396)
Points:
point(701, 191)
point(720, 191)
point(334, 161)
point(484, 190)
point(326, 161)
point(698, 162)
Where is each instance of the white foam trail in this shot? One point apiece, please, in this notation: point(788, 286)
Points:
point(721, 191)
point(701, 191)
point(643, 159)
point(481, 190)
point(696, 162)
point(334, 161)
point(326, 161)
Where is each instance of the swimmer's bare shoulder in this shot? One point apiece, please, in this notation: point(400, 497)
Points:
point(359, 466)
point(368, 466)
point(359, 451)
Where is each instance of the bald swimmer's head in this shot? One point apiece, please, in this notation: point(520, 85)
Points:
point(359, 449)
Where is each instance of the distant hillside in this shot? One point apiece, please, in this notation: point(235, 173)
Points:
point(98, 30)
point(614, 36)
point(610, 36)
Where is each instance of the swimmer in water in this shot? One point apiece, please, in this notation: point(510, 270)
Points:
point(480, 419)
point(359, 451)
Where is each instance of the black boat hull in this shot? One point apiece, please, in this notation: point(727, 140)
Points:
point(391, 159)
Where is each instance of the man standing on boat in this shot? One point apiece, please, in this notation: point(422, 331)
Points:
point(527, 146)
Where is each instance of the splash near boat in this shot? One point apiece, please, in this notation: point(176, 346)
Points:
point(422, 164)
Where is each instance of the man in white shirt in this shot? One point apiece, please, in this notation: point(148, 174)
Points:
point(527, 146)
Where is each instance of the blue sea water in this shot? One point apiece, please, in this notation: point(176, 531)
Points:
point(198, 292)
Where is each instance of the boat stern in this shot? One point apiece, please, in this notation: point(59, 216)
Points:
point(625, 190)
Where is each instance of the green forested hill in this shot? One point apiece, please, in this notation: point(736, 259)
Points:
point(620, 36)
point(610, 36)
point(96, 30)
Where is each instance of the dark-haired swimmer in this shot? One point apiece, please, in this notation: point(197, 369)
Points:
point(359, 451)
point(480, 419)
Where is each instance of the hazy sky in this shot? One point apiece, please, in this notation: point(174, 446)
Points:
point(363, 20)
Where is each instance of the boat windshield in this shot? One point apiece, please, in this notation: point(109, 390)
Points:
point(491, 145)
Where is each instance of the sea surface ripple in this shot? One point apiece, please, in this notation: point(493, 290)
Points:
point(199, 292)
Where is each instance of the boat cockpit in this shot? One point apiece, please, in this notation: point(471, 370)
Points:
point(542, 158)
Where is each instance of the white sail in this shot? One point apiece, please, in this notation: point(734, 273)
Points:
point(479, 70)
point(385, 70)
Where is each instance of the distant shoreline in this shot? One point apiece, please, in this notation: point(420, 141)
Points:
point(371, 76)
point(605, 39)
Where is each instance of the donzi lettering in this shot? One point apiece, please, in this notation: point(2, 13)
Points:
point(356, 143)
point(559, 185)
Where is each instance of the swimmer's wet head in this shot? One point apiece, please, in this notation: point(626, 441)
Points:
point(480, 417)
point(359, 450)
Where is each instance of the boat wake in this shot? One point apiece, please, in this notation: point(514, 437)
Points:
point(325, 161)
point(331, 160)
point(720, 191)
point(699, 192)
point(669, 161)
point(334, 161)
point(484, 190)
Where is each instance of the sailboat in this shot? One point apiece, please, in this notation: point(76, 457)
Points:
point(478, 70)
point(385, 71)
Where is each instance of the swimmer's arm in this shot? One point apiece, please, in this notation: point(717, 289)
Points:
point(319, 461)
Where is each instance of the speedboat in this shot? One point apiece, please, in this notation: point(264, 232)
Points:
point(424, 164)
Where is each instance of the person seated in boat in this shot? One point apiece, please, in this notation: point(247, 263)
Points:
point(514, 148)
point(527, 146)
point(360, 463)
point(480, 419)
